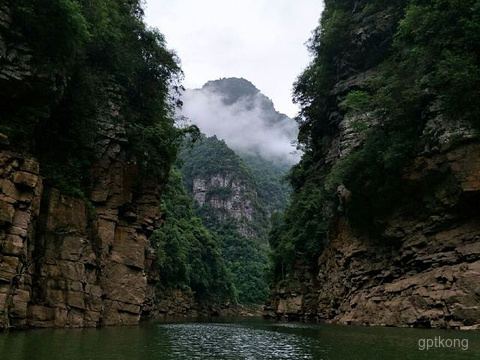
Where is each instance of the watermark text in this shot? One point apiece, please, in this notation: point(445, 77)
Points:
point(439, 342)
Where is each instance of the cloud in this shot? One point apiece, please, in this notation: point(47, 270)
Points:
point(248, 126)
point(260, 40)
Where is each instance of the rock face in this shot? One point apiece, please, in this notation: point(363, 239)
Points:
point(424, 271)
point(421, 267)
point(223, 186)
point(229, 196)
point(74, 262)
point(70, 262)
point(20, 195)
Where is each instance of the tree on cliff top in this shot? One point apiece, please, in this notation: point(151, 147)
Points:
point(86, 54)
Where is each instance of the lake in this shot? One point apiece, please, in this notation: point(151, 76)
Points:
point(242, 338)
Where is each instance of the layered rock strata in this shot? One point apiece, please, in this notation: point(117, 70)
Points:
point(423, 269)
point(420, 265)
point(71, 262)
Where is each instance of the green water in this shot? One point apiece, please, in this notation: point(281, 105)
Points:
point(233, 339)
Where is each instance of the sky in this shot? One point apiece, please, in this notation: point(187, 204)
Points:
point(262, 41)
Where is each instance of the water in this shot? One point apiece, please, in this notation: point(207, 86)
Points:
point(232, 339)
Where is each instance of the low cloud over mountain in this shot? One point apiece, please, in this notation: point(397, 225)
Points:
point(236, 111)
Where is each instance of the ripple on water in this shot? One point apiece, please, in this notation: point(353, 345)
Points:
point(230, 341)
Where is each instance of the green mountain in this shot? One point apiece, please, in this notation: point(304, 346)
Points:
point(237, 182)
point(227, 201)
point(235, 90)
point(234, 110)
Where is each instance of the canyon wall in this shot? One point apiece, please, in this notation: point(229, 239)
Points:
point(416, 263)
point(229, 196)
point(80, 257)
point(72, 262)
point(422, 272)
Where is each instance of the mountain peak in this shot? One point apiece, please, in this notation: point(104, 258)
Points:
point(236, 111)
point(232, 89)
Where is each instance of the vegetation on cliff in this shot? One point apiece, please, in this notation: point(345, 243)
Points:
point(245, 256)
point(418, 60)
point(231, 209)
point(273, 189)
point(86, 56)
point(188, 255)
point(92, 96)
point(212, 156)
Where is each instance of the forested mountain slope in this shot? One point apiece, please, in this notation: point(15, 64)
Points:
point(237, 175)
point(228, 202)
point(234, 110)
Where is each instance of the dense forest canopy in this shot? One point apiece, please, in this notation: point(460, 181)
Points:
point(86, 53)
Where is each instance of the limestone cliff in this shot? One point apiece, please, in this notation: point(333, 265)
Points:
point(74, 246)
point(237, 204)
point(223, 186)
point(71, 262)
point(423, 271)
point(413, 261)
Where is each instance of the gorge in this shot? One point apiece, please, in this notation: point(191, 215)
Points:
point(124, 197)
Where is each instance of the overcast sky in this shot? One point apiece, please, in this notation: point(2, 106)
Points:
point(260, 40)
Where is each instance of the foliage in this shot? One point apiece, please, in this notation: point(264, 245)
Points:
point(435, 57)
point(437, 46)
point(90, 54)
point(269, 176)
point(431, 60)
point(331, 47)
point(210, 156)
point(357, 102)
point(245, 257)
point(219, 192)
point(300, 232)
point(188, 255)
point(313, 85)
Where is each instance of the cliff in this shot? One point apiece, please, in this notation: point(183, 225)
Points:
point(67, 261)
point(68, 264)
point(423, 271)
point(79, 190)
point(388, 190)
point(219, 181)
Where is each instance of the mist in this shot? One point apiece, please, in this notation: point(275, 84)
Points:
point(250, 125)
